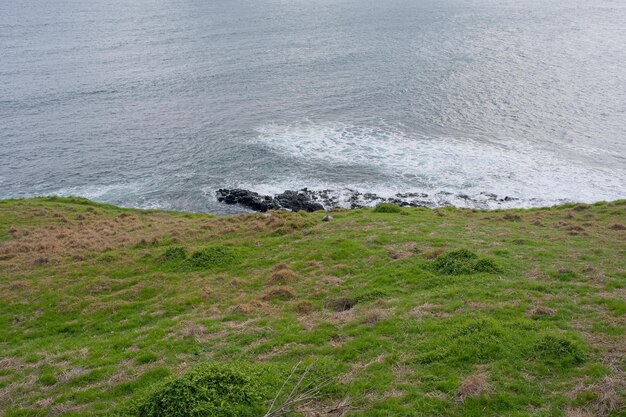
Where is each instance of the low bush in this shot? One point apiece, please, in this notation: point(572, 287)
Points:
point(174, 253)
point(463, 261)
point(210, 390)
point(214, 256)
point(387, 208)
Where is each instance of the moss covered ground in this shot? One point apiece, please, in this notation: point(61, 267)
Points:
point(408, 312)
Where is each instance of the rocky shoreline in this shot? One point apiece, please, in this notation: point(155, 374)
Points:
point(311, 200)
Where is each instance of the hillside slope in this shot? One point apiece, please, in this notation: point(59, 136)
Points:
point(410, 312)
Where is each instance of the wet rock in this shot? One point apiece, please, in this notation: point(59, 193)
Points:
point(311, 200)
point(297, 200)
point(246, 198)
point(291, 200)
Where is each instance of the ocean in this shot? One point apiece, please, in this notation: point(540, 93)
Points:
point(159, 103)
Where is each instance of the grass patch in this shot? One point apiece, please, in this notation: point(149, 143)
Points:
point(91, 321)
point(559, 349)
point(387, 208)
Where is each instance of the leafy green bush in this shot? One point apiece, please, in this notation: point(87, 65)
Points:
point(210, 390)
point(556, 348)
point(174, 253)
point(486, 265)
point(463, 261)
point(387, 208)
point(214, 256)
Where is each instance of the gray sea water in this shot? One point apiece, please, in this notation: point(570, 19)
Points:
point(158, 103)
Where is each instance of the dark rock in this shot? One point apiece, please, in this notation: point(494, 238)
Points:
point(248, 199)
point(311, 200)
point(296, 201)
point(291, 200)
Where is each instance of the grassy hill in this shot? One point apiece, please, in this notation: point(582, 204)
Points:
point(403, 312)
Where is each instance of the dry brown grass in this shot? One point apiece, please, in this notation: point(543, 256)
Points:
point(283, 293)
point(373, 316)
point(282, 276)
point(402, 250)
point(194, 330)
point(248, 308)
point(433, 254)
point(471, 387)
point(68, 374)
point(539, 311)
point(305, 307)
point(340, 304)
point(608, 396)
point(96, 232)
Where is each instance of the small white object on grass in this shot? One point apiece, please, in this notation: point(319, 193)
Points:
point(327, 217)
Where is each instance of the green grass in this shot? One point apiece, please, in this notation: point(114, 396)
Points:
point(405, 311)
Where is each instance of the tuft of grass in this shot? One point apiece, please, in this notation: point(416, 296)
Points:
point(279, 293)
point(282, 276)
point(174, 253)
point(387, 208)
point(341, 304)
point(559, 349)
point(214, 256)
point(47, 379)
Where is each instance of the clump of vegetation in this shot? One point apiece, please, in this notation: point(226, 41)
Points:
point(214, 256)
point(174, 253)
point(556, 348)
point(305, 307)
point(387, 208)
point(282, 276)
point(463, 261)
point(341, 304)
point(210, 390)
point(47, 378)
point(280, 293)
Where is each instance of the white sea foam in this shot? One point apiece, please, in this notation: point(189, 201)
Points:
point(101, 192)
point(522, 170)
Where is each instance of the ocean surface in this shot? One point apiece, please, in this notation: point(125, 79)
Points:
point(158, 103)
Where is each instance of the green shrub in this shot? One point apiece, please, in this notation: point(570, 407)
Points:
point(174, 253)
point(463, 261)
point(556, 348)
point(486, 265)
point(210, 390)
point(387, 208)
point(214, 256)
